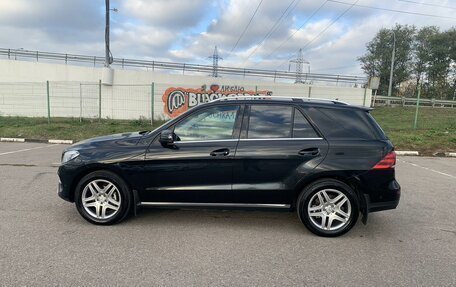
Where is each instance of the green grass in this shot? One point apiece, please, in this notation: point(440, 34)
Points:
point(436, 131)
point(67, 128)
point(436, 128)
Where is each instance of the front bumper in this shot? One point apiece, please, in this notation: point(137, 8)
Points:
point(68, 174)
point(64, 193)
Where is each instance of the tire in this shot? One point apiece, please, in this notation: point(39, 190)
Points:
point(328, 207)
point(103, 198)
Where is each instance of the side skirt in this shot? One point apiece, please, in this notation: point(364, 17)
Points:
point(217, 205)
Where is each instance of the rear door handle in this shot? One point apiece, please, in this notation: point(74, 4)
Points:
point(220, 152)
point(313, 151)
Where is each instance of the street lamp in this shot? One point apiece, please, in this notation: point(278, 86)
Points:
point(308, 71)
point(390, 87)
point(15, 52)
point(108, 55)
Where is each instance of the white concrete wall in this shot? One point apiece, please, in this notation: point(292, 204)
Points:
point(74, 90)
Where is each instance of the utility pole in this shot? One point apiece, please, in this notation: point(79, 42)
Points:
point(390, 87)
point(215, 58)
point(108, 55)
point(299, 61)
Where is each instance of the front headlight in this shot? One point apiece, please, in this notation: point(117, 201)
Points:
point(69, 155)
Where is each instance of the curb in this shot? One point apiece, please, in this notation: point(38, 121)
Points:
point(407, 152)
point(12, 140)
point(22, 140)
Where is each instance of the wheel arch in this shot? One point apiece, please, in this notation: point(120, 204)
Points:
point(343, 177)
point(92, 168)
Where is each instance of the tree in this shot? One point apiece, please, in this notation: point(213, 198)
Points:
point(426, 56)
point(439, 65)
point(421, 46)
point(452, 38)
point(377, 60)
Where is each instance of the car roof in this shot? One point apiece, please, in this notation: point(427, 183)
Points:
point(320, 102)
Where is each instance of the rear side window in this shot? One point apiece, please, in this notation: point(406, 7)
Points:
point(342, 123)
point(301, 127)
point(269, 121)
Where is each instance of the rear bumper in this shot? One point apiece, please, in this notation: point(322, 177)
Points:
point(392, 194)
point(379, 206)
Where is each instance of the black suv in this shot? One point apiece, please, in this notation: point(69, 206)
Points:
point(325, 159)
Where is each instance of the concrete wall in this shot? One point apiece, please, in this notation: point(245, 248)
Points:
point(74, 91)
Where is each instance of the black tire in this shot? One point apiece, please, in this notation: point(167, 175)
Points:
point(121, 192)
point(333, 188)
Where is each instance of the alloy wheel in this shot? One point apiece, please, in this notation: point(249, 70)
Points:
point(101, 199)
point(329, 209)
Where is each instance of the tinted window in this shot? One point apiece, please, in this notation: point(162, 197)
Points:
point(301, 127)
point(341, 123)
point(269, 121)
point(215, 123)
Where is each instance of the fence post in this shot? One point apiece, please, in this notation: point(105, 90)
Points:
point(152, 94)
point(256, 90)
point(99, 99)
point(48, 103)
point(80, 102)
point(310, 91)
point(417, 106)
point(364, 98)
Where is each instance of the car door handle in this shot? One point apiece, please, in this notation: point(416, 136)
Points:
point(314, 151)
point(220, 152)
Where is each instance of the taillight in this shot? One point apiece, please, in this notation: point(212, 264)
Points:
point(388, 162)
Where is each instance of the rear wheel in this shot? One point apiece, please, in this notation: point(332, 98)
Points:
point(328, 207)
point(102, 197)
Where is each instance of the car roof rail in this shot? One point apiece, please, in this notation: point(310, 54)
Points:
point(294, 99)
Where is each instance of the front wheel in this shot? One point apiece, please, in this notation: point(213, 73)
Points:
point(328, 207)
point(102, 197)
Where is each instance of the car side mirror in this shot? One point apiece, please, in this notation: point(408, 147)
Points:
point(167, 137)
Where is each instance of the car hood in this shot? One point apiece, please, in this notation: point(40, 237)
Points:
point(117, 140)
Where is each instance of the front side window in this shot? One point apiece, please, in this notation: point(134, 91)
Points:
point(269, 121)
point(216, 123)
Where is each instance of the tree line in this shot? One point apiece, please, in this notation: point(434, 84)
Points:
point(425, 57)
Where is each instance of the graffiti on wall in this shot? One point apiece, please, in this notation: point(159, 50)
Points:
point(178, 100)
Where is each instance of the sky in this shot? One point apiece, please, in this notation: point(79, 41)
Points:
point(262, 34)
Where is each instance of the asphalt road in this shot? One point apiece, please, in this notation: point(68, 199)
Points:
point(44, 241)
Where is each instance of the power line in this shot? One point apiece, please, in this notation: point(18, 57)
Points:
point(327, 27)
point(274, 27)
point(332, 23)
point(428, 4)
point(291, 36)
point(248, 24)
point(396, 11)
point(336, 68)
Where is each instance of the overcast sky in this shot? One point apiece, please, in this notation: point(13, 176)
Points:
point(188, 30)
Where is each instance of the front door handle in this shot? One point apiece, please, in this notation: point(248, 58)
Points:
point(220, 152)
point(313, 151)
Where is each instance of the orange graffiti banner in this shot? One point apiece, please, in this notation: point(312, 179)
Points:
point(178, 100)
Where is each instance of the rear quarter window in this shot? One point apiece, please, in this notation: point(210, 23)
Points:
point(338, 123)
